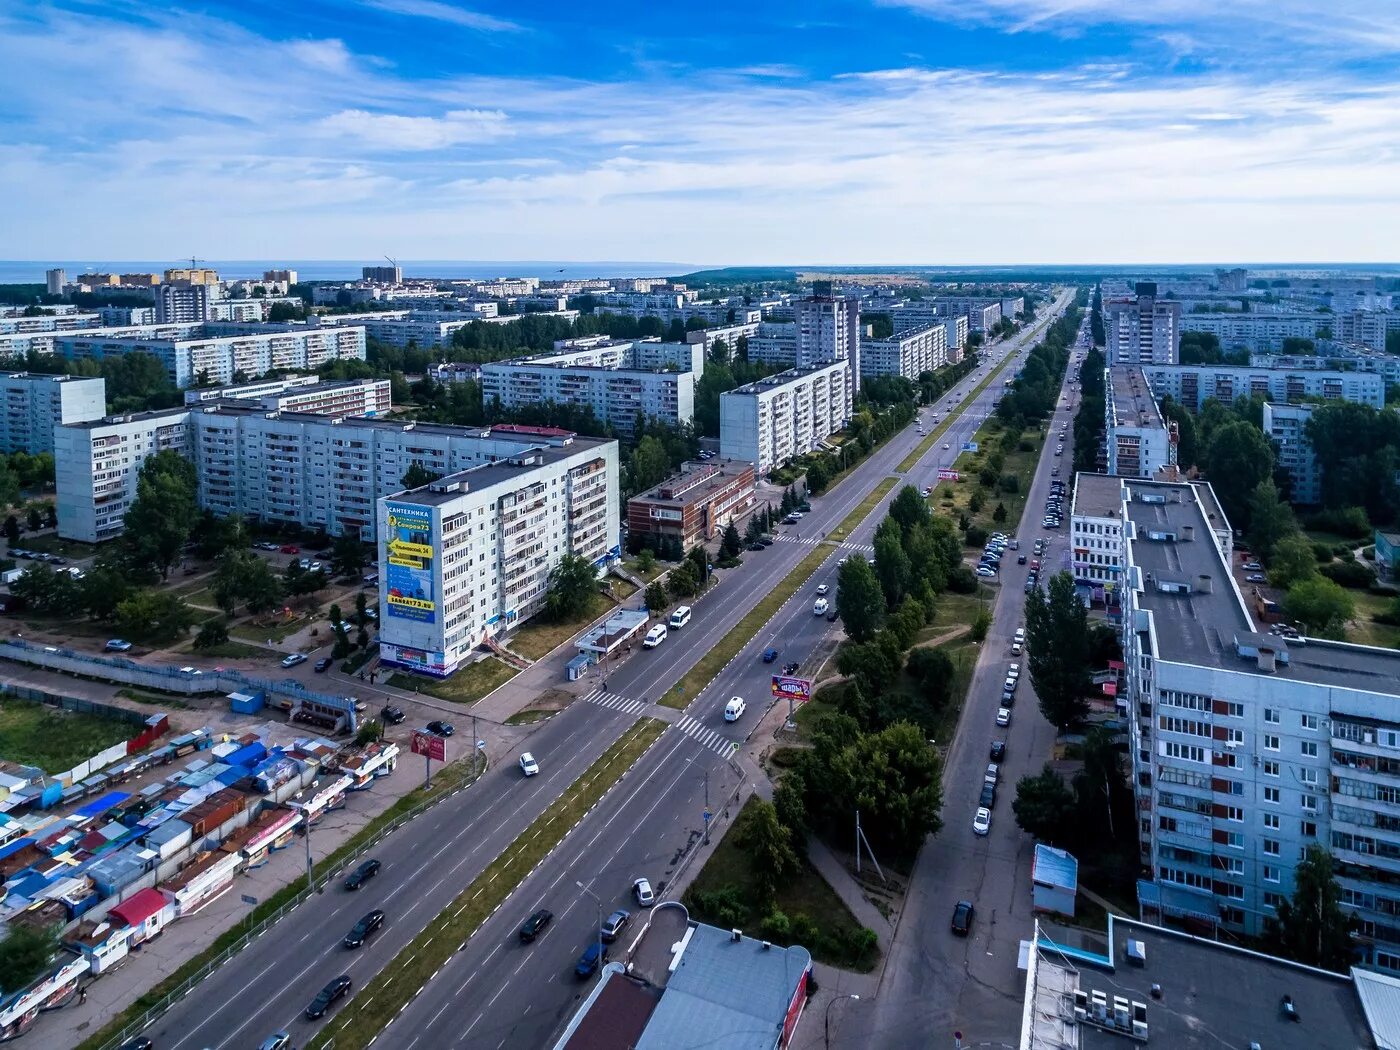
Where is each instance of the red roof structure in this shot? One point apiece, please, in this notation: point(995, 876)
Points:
point(140, 907)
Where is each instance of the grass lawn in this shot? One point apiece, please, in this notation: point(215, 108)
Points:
point(815, 917)
point(956, 610)
point(1365, 631)
point(379, 1001)
point(528, 717)
point(862, 509)
point(234, 650)
point(54, 740)
point(1021, 464)
point(699, 676)
point(201, 595)
point(633, 565)
point(154, 699)
point(537, 639)
point(465, 686)
point(251, 632)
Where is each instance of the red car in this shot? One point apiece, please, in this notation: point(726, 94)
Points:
point(289, 549)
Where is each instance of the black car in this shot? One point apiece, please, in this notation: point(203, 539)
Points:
point(789, 668)
point(392, 715)
point(439, 728)
point(535, 924)
point(962, 918)
point(998, 750)
point(332, 993)
point(141, 1042)
point(767, 541)
point(756, 547)
point(361, 875)
point(323, 665)
point(989, 795)
point(1020, 559)
point(362, 929)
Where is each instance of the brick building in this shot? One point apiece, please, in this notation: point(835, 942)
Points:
point(695, 504)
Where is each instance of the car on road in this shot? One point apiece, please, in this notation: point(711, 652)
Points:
point(820, 606)
point(323, 665)
point(392, 715)
point(982, 821)
point(1055, 472)
point(276, 1041)
point(1252, 566)
point(528, 766)
point(367, 925)
point(989, 795)
point(614, 924)
point(790, 668)
point(767, 541)
point(117, 645)
point(755, 548)
point(294, 659)
point(993, 773)
point(1003, 716)
point(962, 918)
point(439, 728)
point(734, 710)
point(641, 889)
point(1030, 583)
point(141, 1042)
point(1020, 559)
point(769, 655)
point(946, 447)
point(288, 548)
point(1016, 648)
point(1255, 577)
point(593, 956)
point(367, 870)
point(998, 750)
point(822, 589)
point(926, 492)
point(331, 994)
point(535, 924)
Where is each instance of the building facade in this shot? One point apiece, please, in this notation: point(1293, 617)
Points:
point(1191, 385)
point(908, 353)
point(769, 422)
point(186, 303)
point(1143, 329)
point(1260, 332)
point(694, 505)
point(828, 330)
point(618, 396)
point(1139, 442)
point(1285, 426)
point(35, 404)
point(469, 556)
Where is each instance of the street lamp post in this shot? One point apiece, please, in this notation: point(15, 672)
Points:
point(599, 925)
point(826, 1026)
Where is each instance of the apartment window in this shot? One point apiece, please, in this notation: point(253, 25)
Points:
point(1273, 900)
point(1308, 747)
point(1271, 769)
point(1271, 821)
point(1309, 829)
point(1310, 802)
point(1270, 742)
point(1307, 776)
point(1234, 710)
point(1271, 715)
point(1308, 722)
point(1271, 795)
point(1271, 848)
point(1233, 813)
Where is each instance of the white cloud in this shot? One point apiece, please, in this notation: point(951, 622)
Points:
point(381, 131)
point(437, 11)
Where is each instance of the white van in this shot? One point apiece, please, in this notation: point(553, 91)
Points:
point(819, 607)
point(655, 636)
point(681, 616)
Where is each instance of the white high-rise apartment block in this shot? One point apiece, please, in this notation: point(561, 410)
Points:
point(781, 416)
point(909, 353)
point(21, 325)
point(54, 280)
point(618, 396)
point(469, 556)
point(1139, 441)
point(312, 470)
point(1261, 332)
point(1285, 426)
point(35, 404)
point(775, 344)
point(186, 303)
point(1248, 747)
point(1142, 330)
point(1191, 385)
point(828, 329)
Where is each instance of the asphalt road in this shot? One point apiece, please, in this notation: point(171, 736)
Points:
point(935, 983)
point(643, 826)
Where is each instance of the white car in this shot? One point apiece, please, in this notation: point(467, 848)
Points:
point(1003, 716)
point(820, 606)
point(294, 659)
point(528, 765)
point(946, 447)
point(982, 570)
point(734, 710)
point(1015, 648)
point(641, 889)
point(982, 822)
point(822, 589)
point(1013, 671)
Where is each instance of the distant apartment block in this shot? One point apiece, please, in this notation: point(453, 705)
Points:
point(1191, 385)
point(1367, 327)
point(774, 344)
point(694, 505)
point(1236, 280)
point(769, 422)
point(828, 330)
point(217, 352)
point(189, 275)
point(186, 304)
point(35, 404)
point(422, 330)
point(125, 316)
point(351, 397)
point(469, 556)
point(1284, 425)
point(1261, 332)
point(54, 281)
point(730, 333)
point(1013, 306)
point(1143, 329)
point(1139, 442)
point(982, 313)
point(1350, 359)
point(382, 274)
point(68, 322)
point(908, 354)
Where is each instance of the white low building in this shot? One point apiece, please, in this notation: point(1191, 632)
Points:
point(769, 422)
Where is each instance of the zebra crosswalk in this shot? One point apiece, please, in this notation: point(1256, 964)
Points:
point(812, 541)
point(706, 736)
point(614, 701)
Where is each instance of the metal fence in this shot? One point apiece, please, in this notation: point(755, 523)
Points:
point(153, 1014)
point(77, 704)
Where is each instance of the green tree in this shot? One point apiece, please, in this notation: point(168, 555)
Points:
point(154, 616)
point(1238, 457)
point(35, 519)
point(646, 560)
point(48, 592)
point(933, 670)
point(893, 777)
point(1293, 561)
point(102, 590)
point(572, 585)
point(656, 597)
point(1045, 807)
point(211, 635)
point(892, 566)
point(875, 667)
point(347, 555)
point(1312, 927)
point(161, 518)
point(729, 545)
point(790, 800)
point(1057, 641)
point(682, 581)
point(11, 529)
point(909, 509)
point(769, 847)
point(417, 475)
point(371, 730)
point(25, 953)
point(1320, 605)
point(215, 533)
point(1270, 519)
point(241, 577)
point(648, 464)
point(9, 486)
point(859, 600)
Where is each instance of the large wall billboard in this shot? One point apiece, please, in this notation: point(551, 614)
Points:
point(408, 572)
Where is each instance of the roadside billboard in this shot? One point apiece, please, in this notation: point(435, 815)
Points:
point(430, 745)
point(408, 569)
point(787, 687)
point(948, 474)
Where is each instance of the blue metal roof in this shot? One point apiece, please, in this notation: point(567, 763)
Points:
point(1055, 867)
point(101, 805)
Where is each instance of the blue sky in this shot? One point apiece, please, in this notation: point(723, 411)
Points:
point(889, 131)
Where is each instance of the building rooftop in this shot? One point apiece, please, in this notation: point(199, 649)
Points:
point(1199, 615)
point(791, 375)
point(1212, 995)
point(1097, 496)
point(45, 377)
point(696, 481)
point(1132, 401)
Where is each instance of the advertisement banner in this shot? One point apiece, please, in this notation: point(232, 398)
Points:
point(948, 474)
point(787, 687)
point(408, 572)
point(429, 744)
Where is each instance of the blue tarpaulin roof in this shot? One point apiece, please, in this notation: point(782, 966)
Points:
point(1055, 867)
point(99, 806)
point(247, 756)
point(15, 846)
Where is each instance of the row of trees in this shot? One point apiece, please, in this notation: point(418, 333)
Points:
point(1088, 420)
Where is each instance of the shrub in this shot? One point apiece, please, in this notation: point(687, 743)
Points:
point(724, 906)
point(1349, 574)
point(1322, 552)
point(1344, 521)
point(1026, 445)
point(776, 927)
point(1009, 483)
point(976, 535)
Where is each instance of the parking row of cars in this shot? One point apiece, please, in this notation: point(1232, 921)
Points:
point(998, 543)
point(26, 555)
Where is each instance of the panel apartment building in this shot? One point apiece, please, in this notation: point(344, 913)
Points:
point(1285, 426)
point(1247, 747)
point(355, 397)
point(469, 556)
point(767, 423)
point(1260, 332)
point(908, 353)
point(35, 404)
point(1142, 329)
point(1139, 441)
point(1191, 385)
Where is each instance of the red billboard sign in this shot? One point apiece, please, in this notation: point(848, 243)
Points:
point(429, 744)
point(948, 474)
point(786, 687)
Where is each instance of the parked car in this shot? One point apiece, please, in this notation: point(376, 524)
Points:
point(1255, 577)
point(361, 931)
point(439, 728)
point(329, 995)
point(993, 773)
point(367, 870)
point(593, 956)
point(641, 889)
point(614, 924)
point(392, 715)
point(323, 665)
point(1252, 566)
point(769, 655)
point(988, 797)
point(982, 821)
point(289, 548)
point(535, 924)
point(754, 547)
point(982, 570)
point(962, 918)
point(1020, 559)
point(294, 659)
point(117, 645)
point(276, 1041)
point(997, 750)
point(528, 766)
point(1003, 716)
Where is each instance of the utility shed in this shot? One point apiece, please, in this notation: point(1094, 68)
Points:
point(1054, 880)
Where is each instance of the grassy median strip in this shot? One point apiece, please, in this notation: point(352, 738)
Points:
point(448, 779)
point(380, 1001)
point(862, 509)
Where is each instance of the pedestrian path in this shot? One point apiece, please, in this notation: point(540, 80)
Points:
point(615, 702)
point(708, 737)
